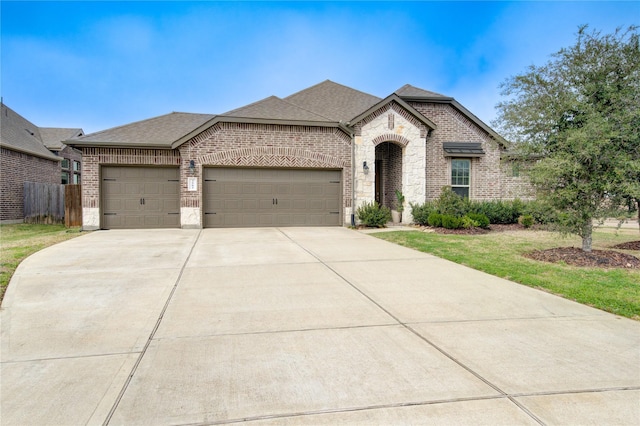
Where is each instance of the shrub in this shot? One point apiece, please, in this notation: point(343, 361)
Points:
point(452, 204)
point(541, 212)
point(526, 220)
point(481, 220)
point(498, 211)
point(421, 212)
point(435, 220)
point(451, 222)
point(373, 215)
point(466, 222)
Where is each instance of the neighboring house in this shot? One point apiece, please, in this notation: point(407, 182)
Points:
point(24, 158)
point(71, 163)
point(304, 160)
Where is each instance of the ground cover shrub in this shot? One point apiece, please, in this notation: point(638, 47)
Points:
point(526, 220)
point(481, 220)
point(451, 222)
point(373, 215)
point(435, 220)
point(467, 223)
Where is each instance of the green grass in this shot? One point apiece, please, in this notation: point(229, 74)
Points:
point(501, 254)
point(17, 242)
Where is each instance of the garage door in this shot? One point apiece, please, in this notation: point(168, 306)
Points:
point(140, 197)
point(236, 197)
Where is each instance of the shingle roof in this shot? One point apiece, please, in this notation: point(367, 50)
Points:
point(409, 91)
point(158, 132)
point(52, 137)
point(333, 101)
point(274, 108)
point(19, 134)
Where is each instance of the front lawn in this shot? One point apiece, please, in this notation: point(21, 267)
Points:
point(500, 254)
point(17, 242)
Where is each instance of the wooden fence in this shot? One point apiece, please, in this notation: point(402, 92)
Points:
point(73, 205)
point(52, 203)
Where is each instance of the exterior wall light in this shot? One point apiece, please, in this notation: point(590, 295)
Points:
point(192, 167)
point(365, 168)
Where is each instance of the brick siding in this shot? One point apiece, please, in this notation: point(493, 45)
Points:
point(488, 177)
point(267, 145)
point(16, 168)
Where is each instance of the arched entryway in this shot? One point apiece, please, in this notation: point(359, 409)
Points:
point(388, 177)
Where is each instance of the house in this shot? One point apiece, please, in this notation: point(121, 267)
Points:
point(24, 157)
point(304, 160)
point(71, 158)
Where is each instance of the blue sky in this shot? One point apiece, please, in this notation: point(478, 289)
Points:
point(98, 65)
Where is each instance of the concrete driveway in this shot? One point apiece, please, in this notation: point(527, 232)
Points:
point(298, 326)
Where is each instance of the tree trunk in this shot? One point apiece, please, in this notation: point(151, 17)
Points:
point(587, 231)
point(638, 208)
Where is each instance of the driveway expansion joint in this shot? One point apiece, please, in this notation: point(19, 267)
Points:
point(153, 332)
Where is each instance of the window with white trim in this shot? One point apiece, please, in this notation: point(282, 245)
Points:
point(461, 177)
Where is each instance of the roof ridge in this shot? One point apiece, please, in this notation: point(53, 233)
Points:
point(248, 105)
point(306, 109)
point(333, 82)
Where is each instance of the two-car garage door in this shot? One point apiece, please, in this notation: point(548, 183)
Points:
point(244, 197)
point(149, 197)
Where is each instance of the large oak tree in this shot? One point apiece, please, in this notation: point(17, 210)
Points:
point(577, 118)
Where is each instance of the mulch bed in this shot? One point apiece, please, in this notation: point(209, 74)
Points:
point(596, 259)
point(631, 245)
point(480, 231)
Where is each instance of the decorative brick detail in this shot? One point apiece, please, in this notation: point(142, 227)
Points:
point(390, 119)
point(391, 137)
point(270, 156)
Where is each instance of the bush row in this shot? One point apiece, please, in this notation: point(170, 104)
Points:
point(496, 211)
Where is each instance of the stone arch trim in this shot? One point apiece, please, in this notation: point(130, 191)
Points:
point(391, 137)
point(272, 157)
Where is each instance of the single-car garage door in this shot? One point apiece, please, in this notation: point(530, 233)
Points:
point(140, 197)
point(239, 197)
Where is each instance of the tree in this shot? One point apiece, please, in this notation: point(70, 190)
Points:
point(578, 119)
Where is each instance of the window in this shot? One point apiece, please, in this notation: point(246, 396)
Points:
point(76, 166)
point(460, 177)
point(65, 163)
point(76, 179)
point(65, 178)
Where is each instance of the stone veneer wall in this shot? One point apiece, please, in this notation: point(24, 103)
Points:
point(94, 158)
point(391, 123)
point(16, 168)
point(264, 145)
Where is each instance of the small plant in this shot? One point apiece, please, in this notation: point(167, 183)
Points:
point(481, 220)
point(373, 215)
point(435, 220)
point(467, 223)
point(526, 220)
point(400, 199)
point(451, 222)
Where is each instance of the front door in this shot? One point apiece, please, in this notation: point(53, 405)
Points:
point(378, 178)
